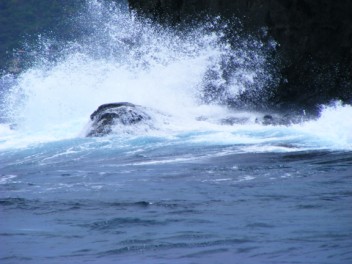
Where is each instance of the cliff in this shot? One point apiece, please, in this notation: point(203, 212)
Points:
point(314, 37)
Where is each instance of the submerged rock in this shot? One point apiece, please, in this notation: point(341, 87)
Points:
point(108, 116)
point(282, 119)
point(127, 118)
point(234, 121)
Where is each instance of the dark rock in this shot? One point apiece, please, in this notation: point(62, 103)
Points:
point(105, 107)
point(272, 120)
point(234, 121)
point(314, 37)
point(282, 119)
point(268, 120)
point(109, 115)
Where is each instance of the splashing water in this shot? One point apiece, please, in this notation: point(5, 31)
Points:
point(183, 74)
point(205, 184)
point(333, 128)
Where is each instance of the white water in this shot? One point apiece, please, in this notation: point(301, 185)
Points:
point(125, 59)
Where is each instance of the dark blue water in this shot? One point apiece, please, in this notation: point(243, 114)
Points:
point(185, 187)
point(178, 204)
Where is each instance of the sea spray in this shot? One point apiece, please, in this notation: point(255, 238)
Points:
point(189, 76)
point(206, 183)
point(333, 129)
point(123, 58)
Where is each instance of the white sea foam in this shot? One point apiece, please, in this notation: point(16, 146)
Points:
point(332, 130)
point(133, 60)
point(7, 178)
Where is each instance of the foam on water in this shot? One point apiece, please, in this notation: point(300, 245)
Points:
point(122, 58)
point(332, 130)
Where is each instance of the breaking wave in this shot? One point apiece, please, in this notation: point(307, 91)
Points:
point(188, 76)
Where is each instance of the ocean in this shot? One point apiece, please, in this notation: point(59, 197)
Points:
point(185, 187)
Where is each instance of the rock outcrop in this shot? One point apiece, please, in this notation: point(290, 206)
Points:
point(108, 116)
point(124, 117)
point(314, 37)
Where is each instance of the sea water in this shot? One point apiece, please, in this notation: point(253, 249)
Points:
point(186, 189)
